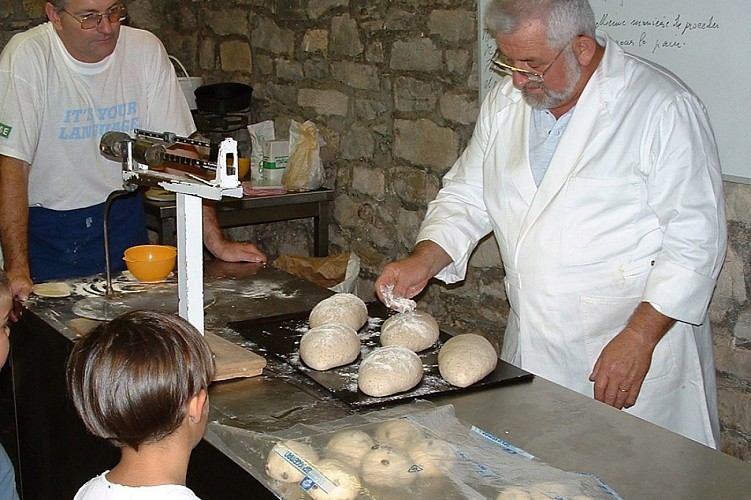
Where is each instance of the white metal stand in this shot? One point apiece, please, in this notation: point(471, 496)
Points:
point(190, 193)
point(189, 251)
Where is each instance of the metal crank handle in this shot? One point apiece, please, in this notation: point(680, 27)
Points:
point(170, 138)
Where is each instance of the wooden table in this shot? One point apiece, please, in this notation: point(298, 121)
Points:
point(161, 216)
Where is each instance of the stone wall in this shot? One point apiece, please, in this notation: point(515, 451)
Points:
point(392, 86)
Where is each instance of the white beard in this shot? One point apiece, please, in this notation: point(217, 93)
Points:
point(553, 98)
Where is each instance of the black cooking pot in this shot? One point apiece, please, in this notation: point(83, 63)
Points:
point(223, 98)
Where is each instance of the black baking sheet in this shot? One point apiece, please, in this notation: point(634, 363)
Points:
point(280, 335)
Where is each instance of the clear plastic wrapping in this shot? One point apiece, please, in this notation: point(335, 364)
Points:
point(418, 451)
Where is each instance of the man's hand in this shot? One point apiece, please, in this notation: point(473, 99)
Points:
point(410, 275)
point(236, 251)
point(623, 364)
point(222, 248)
point(20, 283)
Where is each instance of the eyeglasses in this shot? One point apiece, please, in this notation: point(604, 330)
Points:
point(115, 14)
point(532, 76)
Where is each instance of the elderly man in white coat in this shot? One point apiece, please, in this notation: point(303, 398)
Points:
point(598, 174)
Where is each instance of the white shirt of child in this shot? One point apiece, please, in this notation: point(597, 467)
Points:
point(99, 488)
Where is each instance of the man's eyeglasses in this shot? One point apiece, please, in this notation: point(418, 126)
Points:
point(532, 76)
point(115, 14)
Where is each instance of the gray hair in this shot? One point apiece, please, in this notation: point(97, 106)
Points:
point(564, 19)
point(59, 5)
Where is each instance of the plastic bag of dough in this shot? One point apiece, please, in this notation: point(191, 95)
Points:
point(304, 171)
point(448, 459)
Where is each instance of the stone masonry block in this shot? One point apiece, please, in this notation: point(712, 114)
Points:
point(316, 8)
point(742, 328)
point(316, 41)
point(735, 406)
point(454, 26)
point(416, 54)
point(359, 76)
point(325, 102)
point(422, 142)
point(460, 108)
point(345, 39)
point(358, 143)
point(229, 22)
point(268, 36)
point(369, 181)
point(235, 56)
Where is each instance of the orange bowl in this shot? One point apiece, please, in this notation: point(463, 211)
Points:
point(150, 262)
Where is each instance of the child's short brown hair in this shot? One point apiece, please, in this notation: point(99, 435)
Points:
point(131, 379)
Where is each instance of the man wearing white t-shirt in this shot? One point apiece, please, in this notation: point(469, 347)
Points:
point(62, 85)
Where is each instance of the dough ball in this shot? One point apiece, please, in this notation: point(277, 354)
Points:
point(435, 456)
point(280, 469)
point(349, 446)
point(416, 330)
point(389, 370)
point(398, 433)
point(466, 359)
point(52, 289)
point(514, 493)
point(329, 346)
point(538, 491)
point(347, 484)
point(343, 308)
point(550, 489)
point(385, 466)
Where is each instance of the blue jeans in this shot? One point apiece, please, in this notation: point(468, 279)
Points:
point(70, 243)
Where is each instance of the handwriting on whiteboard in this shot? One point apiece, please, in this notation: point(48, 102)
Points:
point(655, 33)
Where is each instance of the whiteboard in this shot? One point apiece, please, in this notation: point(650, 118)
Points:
point(703, 42)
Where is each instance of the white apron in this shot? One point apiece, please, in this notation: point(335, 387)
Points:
point(630, 210)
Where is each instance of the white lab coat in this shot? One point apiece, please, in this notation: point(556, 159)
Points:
point(631, 209)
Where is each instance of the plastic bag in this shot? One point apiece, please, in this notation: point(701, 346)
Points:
point(463, 463)
point(304, 171)
point(259, 133)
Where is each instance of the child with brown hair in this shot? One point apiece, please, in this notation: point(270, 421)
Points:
point(141, 381)
point(7, 474)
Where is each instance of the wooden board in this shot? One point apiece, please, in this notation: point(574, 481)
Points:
point(234, 361)
point(82, 326)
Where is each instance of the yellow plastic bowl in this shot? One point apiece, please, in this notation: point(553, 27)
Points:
point(150, 262)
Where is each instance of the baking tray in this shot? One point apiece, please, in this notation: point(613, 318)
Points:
point(280, 336)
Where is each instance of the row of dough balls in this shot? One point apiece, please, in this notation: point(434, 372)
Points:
point(332, 338)
point(396, 367)
point(462, 361)
point(332, 341)
point(415, 330)
point(393, 457)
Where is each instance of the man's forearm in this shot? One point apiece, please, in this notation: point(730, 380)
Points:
point(212, 232)
point(431, 252)
point(14, 214)
point(650, 324)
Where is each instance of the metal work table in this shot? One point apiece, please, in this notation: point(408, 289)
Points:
point(560, 427)
point(161, 216)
